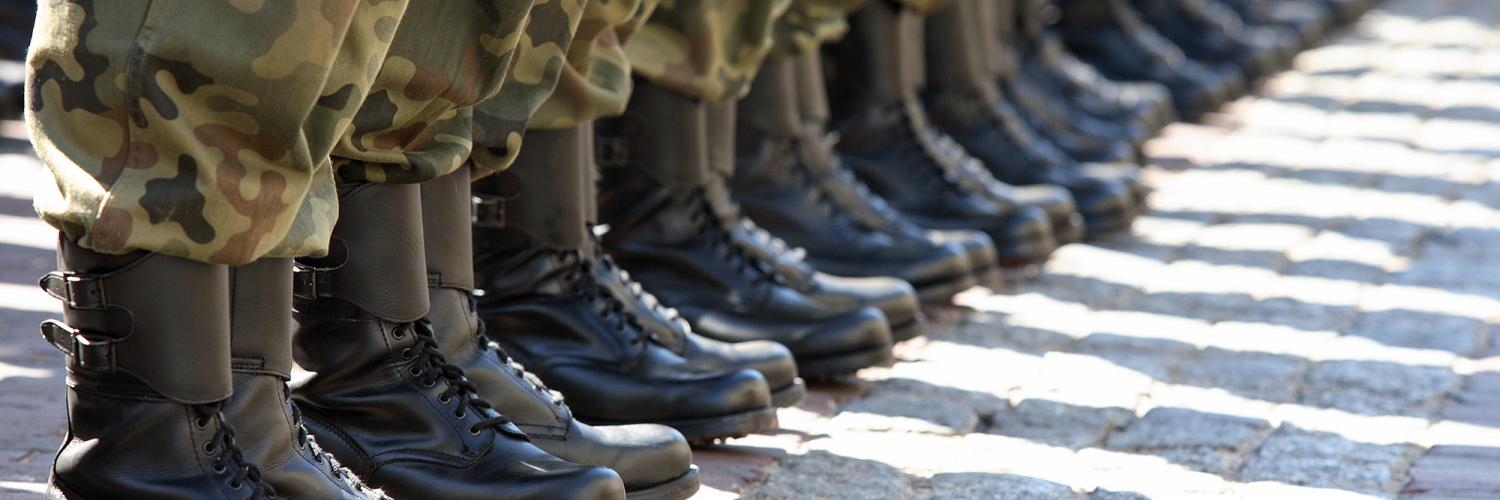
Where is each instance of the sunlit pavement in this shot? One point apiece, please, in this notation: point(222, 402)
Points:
point(1308, 312)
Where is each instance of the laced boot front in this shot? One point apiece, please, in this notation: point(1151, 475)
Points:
point(261, 343)
point(540, 299)
point(786, 189)
point(817, 151)
point(1110, 35)
point(887, 140)
point(672, 225)
point(383, 397)
point(147, 344)
point(654, 461)
point(966, 102)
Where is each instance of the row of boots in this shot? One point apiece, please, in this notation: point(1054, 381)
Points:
point(570, 327)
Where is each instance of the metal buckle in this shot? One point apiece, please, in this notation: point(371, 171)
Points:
point(310, 283)
point(76, 291)
point(92, 353)
point(488, 211)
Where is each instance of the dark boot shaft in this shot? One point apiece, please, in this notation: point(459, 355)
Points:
point(361, 329)
point(147, 339)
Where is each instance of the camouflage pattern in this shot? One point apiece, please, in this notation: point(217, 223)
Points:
point(162, 140)
point(448, 56)
point(209, 151)
point(809, 24)
point(596, 82)
point(707, 49)
point(541, 58)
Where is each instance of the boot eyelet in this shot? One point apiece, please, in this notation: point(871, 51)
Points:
point(445, 400)
point(416, 371)
point(201, 423)
point(429, 383)
point(210, 447)
point(398, 334)
point(236, 485)
point(407, 355)
point(219, 467)
point(460, 414)
point(474, 430)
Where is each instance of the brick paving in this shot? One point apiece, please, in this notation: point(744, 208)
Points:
point(1310, 311)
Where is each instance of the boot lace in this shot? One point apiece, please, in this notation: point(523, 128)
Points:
point(853, 197)
point(515, 367)
point(608, 307)
point(227, 456)
point(712, 228)
point(306, 441)
point(635, 293)
point(429, 367)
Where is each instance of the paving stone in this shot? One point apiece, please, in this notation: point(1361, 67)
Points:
point(1154, 357)
point(1325, 460)
point(1263, 376)
point(902, 405)
point(1421, 330)
point(1201, 441)
point(985, 485)
point(1457, 470)
point(1309, 316)
point(1101, 494)
point(1376, 387)
point(1058, 424)
point(820, 474)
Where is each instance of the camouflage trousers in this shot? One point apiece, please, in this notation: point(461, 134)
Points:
point(216, 131)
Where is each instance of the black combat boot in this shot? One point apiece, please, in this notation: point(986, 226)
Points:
point(1212, 34)
point(540, 299)
point(147, 343)
point(967, 104)
point(787, 191)
point(261, 328)
point(672, 225)
point(1020, 28)
point(383, 398)
point(654, 461)
point(854, 199)
point(1110, 35)
point(668, 329)
point(1147, 103)
point(895, 298)
point(887, 140)
point(1308, 20)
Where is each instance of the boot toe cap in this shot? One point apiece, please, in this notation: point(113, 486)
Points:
point(644, 455)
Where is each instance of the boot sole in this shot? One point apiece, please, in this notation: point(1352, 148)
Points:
point(710, 430)
point(1026, 254)
point(1113, 222)
point(908, 330)
point(677, 489)
point(942, 291)
point(832, 366)
point(790, 395)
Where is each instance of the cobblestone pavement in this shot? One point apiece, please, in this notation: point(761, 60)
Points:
point(1309, 312)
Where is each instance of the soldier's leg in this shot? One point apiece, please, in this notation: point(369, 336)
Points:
point(183, 131)
point(665, 195)
point(364, 312)
point(809, 198)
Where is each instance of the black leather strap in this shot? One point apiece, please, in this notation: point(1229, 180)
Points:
point(94, 353)
point(76, 291)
